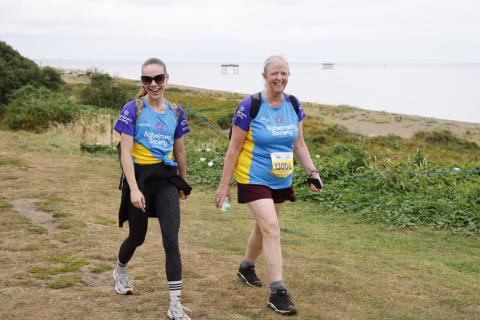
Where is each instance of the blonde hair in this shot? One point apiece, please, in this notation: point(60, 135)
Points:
point(272, 58)
point(142, 92)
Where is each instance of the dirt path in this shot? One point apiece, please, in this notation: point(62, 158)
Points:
point(28, 208)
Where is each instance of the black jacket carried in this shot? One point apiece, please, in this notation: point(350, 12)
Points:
point(150, 178)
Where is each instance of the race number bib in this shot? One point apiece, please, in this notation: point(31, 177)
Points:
point(282, 164)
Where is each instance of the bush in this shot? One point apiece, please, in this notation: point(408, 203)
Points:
point(319, 138)
point(357, 156)
point(50, 78)
point(104, 92)
point(35, 109)
point(397, 194)
point(16, 70)
point(446, 138)
point(225, 121)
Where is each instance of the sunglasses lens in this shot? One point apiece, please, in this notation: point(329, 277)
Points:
point(146, 80)
point(159, 78)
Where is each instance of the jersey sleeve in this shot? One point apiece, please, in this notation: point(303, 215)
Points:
point(300, 112)
point(126, 121)
point(241, 118)
point(182, 124)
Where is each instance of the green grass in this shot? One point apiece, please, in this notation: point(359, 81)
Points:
point(65, 281)
point(100, 268)
point(336, 265)
point(8, 161)
point(4, 204)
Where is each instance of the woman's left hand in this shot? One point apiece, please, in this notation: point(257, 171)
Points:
point(182, 195)
point(313, 188)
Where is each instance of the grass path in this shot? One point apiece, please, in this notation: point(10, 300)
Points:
point(335, 269)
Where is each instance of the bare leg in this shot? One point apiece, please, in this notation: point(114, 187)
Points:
point(254, 244)
point(265, 214)
point(255, 241)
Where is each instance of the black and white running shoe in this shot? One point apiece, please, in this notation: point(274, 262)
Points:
point(281, 303)
point(249, 276)
point(176, 311)
point(122, 284)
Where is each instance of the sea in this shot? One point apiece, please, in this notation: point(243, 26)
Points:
point(442, 91)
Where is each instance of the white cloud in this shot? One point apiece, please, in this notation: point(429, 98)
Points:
point(216, 30)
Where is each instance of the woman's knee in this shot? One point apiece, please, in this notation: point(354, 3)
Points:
point(170, 245)
point(136, 240)
point(270, 230)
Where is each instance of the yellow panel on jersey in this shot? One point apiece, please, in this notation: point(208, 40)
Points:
point(244, 161)
point(142, 155)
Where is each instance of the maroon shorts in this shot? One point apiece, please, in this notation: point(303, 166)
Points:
point(251, 192)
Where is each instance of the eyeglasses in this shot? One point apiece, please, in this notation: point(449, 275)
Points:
point(159, 79)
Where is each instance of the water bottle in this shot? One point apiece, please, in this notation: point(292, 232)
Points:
point(226, 205)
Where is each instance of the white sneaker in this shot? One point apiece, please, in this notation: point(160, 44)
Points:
point(122, 284)
point(177, 312)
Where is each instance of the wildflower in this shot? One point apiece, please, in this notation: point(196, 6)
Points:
point(210, 163)
point(317, 156)
point(207, 149)
point(202, 159)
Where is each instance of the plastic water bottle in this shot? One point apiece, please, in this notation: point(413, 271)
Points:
point(226, 205)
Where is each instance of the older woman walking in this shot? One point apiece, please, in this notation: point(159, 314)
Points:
point(267, 132)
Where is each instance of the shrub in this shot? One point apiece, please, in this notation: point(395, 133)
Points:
point(398, 194)
point(35, 109)
point(50, 78)
point(446, 138)
point(16, 70)
point(225, 121)
point(104, 92)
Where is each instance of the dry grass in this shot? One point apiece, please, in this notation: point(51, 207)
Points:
point(98, 129)
point(334, 269)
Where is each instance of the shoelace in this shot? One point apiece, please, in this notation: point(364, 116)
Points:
point(179, 310)
point(123, 279)
point(251, 271)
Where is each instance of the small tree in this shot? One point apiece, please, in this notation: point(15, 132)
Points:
point(50, 78)
point(103, 91)
point(17, 71)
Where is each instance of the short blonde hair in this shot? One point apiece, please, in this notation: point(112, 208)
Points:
point(272, 58)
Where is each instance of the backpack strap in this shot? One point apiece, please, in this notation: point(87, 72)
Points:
point(294, 103)
point(255, 105)
point(257, 102)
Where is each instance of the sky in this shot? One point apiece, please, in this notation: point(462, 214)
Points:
point(340, 31)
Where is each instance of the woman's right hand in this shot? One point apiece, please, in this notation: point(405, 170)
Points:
point(222, 193)
point(138, 200)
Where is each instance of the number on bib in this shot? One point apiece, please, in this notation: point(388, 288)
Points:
point(282, 164)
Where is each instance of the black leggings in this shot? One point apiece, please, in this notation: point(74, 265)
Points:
point(167, 209)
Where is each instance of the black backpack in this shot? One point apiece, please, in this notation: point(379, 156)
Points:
point(257, 102)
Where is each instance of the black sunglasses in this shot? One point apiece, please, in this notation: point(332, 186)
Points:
point(159, 79)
